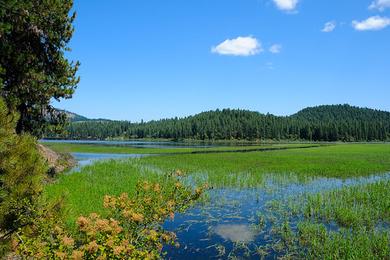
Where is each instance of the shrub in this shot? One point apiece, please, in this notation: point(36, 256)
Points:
point(132, 228)
point(21, 172)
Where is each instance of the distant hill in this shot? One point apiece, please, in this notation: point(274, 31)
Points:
point(340, 113)
point(73, 117)
point(321, 123)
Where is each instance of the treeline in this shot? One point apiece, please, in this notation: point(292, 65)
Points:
point(322, 123)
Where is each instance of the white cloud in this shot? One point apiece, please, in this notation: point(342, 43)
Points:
point(373, 23)
point(381, 5)
point(275, 48)
point(329, 27)
point(286, 5)
point(240, 46)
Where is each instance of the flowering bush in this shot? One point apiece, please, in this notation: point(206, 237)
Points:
point(132, 229)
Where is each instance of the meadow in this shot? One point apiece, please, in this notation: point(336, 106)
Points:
point(123, 149)
point(312, 223)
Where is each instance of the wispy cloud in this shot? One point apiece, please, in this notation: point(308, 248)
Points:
point(374, 23)
point(381, 5)
point(275, 48)
point(286, 5)
point(240, 46)
point(329, 27)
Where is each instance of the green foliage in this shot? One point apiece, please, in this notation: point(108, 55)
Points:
point(33, 69)
point(131, 230)
point(21, 172)
point(324, 123)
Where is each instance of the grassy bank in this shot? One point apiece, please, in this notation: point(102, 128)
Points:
point(84, 191)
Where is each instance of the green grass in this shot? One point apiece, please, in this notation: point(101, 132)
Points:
point(98, 148)
point(238, 169)
point(360, 206)
point(84, 190)
point(359, 211)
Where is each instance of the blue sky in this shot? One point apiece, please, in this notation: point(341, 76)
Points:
point(152, 59)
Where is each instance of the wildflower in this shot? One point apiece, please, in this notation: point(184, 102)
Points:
point(153, 235)
point(177, 185)
point(118, 250)
point(82, 222)
point(92, 247)
point(125, 243)
point(110, 242)
point(179, 173)
point(67, 241)
point(109, 202)
point(157, 187)
point(137, 217)
point(61, 255)
point(148, 200)
point(102, 225)
point(171, 204)
point(77, 255)
point(114, 224)
point(165, 237)
point(146, 186)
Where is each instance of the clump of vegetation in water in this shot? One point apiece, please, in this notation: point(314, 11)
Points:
point(348, 223)
point(131, 229)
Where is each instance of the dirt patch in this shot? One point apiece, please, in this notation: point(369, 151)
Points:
point(58, 162)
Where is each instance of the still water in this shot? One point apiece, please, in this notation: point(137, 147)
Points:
point(239, 223)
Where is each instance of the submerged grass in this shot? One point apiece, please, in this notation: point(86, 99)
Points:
point(354, 207)
point(362, 214)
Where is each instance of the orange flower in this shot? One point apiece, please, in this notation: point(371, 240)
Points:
point(137, 217)
point(102, 225)
point(82, 222)
point(61, 255)
point(92, 247)
point(77, 255)
point(146, 186)
point(67, 241)
point(118, 250)
point(114, 224)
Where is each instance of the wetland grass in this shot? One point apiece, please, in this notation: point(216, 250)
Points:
point(333, 223)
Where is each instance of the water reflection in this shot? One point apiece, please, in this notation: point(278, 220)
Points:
point(241, 222)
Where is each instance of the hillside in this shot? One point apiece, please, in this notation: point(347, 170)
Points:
point(322, 123)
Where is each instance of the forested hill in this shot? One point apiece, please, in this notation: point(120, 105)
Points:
point(322, 123)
